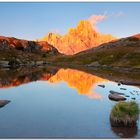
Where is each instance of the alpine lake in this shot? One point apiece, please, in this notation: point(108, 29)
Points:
point(54, 102)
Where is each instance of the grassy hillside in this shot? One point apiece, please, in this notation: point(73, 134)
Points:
point(120, 53)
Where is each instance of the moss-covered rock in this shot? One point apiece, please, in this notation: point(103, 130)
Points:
point(124, 114)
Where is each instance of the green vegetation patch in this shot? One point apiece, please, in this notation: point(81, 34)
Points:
point(133, 58)
point(111, 58)
point(125, 114)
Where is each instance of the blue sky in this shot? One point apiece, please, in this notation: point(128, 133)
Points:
point(32, 20)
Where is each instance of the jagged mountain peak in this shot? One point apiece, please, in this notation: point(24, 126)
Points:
point(78, 39)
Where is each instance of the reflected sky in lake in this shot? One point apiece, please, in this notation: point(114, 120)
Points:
point(59, 103)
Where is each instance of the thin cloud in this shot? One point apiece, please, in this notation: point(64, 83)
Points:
point(117, 14)
point(94, 19)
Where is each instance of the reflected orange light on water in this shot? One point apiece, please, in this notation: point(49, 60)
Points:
point(83, 82)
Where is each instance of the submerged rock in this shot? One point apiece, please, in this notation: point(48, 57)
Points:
point(4, 102)
point(123, 88)
point(133, 98)
point(132, 93)
point(127, 96)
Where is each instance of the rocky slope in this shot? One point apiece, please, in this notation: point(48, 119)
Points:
point(25, 45)
point(77, 39)
point(16, 52)
point(123, 52)
point(132, 41)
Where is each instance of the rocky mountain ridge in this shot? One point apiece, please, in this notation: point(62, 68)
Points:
point(18, 52)
point(121, 54)
point(78, 39)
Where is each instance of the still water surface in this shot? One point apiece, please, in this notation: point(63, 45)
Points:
point(62, 103)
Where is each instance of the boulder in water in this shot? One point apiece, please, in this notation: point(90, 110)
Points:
point(3, 103)
point(116, 97)
point(114, 92)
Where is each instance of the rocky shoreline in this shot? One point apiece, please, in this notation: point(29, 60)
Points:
point(115, 68)
point(18, 63)
point(121, 75)
point(121, 69)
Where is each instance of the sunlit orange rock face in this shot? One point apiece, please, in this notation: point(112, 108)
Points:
point(77, 39)
point(83, 82)
point(137, 36)
point(25, 45)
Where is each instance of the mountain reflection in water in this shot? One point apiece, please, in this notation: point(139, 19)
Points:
point(70, 114)
point(83, 82)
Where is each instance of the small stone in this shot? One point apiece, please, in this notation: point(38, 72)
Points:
point(132, 93)
point(119, 84)
point(133, 98)
point(94, 64)
point(103, 86)
point(39, 62)
point(123, 88)
point(3, 103)
point(114, 92)
point(127, 96)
